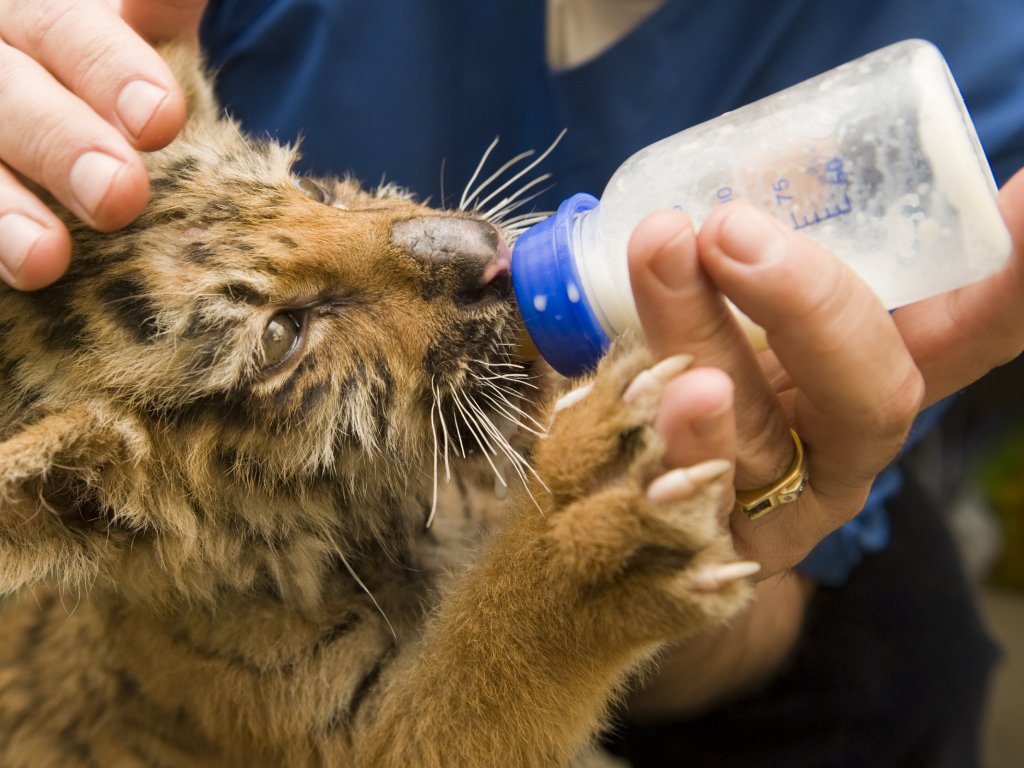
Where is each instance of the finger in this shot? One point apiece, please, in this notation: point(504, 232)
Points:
point(160, 20)
point(88, 48)
point(34, 245)
point(858, 389)
point(682, 311)
point(56, 140)
point(696, 408)
point(958, 337)
point(696, 419)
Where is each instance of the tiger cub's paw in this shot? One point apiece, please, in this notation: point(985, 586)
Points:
point(622, 521)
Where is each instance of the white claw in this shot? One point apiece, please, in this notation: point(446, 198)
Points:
point(656, 377)
point(567, 400)
point(572, 398)
point(671, 367)
point(713, 577)
point(643, 383)
point(682, 483)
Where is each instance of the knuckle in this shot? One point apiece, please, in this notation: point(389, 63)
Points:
point(78, 42)
point(712, 327)
point(41, 153)
point(959, 317)
point(10, 72)
point(39, 148)
point(820, 301)
point(52, 127)
point(91, 71)
point(890, 420)
point(706, 330)
point(813, 291)
point(906, 402)
point(42, 20)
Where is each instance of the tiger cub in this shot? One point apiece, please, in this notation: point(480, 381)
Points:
point(246, 449)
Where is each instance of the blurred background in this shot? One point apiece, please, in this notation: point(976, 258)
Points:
point(973, 465)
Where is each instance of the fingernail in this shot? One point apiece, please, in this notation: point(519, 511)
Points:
point(17, 236)
point(680, 484)
point(714, 577)
point(752, 237)
point(671, 270)
point(91, 178)
point(137, 103)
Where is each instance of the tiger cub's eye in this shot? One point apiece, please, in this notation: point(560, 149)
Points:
point(279, 339)
point(312, 190)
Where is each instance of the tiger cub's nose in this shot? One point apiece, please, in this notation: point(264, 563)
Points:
point(470, 257)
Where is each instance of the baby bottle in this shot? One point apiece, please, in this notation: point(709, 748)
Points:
point(877, 160)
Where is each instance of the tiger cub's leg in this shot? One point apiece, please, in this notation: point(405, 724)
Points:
point(520, 662)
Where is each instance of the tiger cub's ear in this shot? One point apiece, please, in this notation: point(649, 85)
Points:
point(60, 480)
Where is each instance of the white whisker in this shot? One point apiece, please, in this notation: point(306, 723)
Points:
point(502, 404)
point(442, 183)
point(496, 174)
point(496, 210)
point(497, 218)
point(484, 443)
point(523, 172)
point(433, 431)
point(365, 589)
point(479, 167)
point(531, 218)
point(524, 379)
point(444, 428)
point(500, 376)
point(504, 390)
point(458, 434)
point(518, 462)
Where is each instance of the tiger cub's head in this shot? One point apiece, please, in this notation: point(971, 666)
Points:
point(261, 366)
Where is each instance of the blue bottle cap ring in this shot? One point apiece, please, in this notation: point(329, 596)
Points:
point(550, 294)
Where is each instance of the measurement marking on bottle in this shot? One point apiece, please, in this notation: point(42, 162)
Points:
point(826, 213)
point(821, 180)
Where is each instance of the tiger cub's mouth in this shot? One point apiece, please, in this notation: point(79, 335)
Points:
point(497, 277)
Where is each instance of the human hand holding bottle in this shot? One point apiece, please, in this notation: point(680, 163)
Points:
point(844, 373)
point(838, 371)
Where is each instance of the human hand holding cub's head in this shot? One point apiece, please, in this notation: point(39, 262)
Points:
point(82, 92)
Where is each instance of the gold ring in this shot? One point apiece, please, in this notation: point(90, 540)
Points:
point(788, 489)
